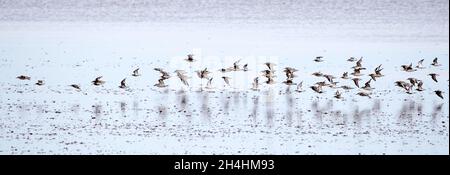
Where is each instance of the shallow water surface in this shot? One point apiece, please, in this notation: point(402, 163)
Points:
point(72, 42)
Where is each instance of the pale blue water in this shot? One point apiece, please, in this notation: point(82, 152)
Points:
point(66, 42)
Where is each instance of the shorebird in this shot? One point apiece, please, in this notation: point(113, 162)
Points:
point(420, 64)
point(357, 71)
point(136, 73)
point(40, 82)
point(346, 87)
point(164, 75)
point(181, 74)
point(255, 83)
point(160, 83)
point(317, 89)
point(270, 80)
point(364, 94)
point(270, 66)
point(408, 87)
point(378, 71)
point(345, 75)
point(203, 74)
point(227, 80)
point(289, 82)
point(358, 63)
point(333, 84)
point(317, 74)
point(356, 81)
point(190, 58)
point(338, 95)
point(419, 86)
point(245, 68)
point(122, 84)
point(76, 86)
point(413, 81)
point(367, 85)
point(435, 62)
point(434, 76)
point(439, 93)
point(351, 59)
point(236, 66)
point(321, 83)
point(209, 84)
point(400, 84)
point(268, 73)
point(290, 72)
point(98, 81)
point(408, 68)
point(225, 70)
point(373, 77)
point(299, 87)
point(318, 59)
point(329, 78)
point(24, 77)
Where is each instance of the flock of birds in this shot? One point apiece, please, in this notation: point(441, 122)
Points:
point(269, 74)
